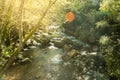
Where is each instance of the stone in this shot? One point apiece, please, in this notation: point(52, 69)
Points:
point(67, 48)
point(26, 60)
point(20, 56)
point(32, 47)
point(58, 44)
point(37, 76)
point(29, 42)
point(65, 58)
point(73, 53)
point(67, 41)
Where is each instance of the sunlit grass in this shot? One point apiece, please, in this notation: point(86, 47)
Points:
point(33, 9)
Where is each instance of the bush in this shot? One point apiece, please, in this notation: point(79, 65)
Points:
point(110, 44)
point(84, 26)
point(110, 47)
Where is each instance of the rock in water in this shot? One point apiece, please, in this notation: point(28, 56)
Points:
point(73, 53)
point(59, 44)
point(67, 48)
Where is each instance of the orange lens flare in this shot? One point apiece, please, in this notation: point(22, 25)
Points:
point(70, 16)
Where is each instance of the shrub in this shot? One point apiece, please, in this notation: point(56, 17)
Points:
point(110, 44)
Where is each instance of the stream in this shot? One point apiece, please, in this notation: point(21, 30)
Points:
point(55, 63)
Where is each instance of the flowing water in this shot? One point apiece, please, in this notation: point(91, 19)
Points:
point(48, 64)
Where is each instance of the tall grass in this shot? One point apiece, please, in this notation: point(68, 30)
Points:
point(11, 28)
point(6, 27)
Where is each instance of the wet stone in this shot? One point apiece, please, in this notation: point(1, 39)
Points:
point(37, 76)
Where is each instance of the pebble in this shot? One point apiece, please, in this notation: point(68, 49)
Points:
point(32, 47)
point(37, 76)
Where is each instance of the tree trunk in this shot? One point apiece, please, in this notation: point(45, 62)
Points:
point(20, 24)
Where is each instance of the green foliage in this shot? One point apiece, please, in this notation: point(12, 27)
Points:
point(87, 14)
point(111, 47)
point(111, 7)
point(102, 23)
point(111, 51)
point(84, 11)
point(100, 19)
point(6, 51)
point(8, 31)
point(104, 40)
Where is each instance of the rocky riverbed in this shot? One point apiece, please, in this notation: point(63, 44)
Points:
point(58, 57)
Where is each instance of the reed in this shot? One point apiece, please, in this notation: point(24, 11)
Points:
point(22, 40)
